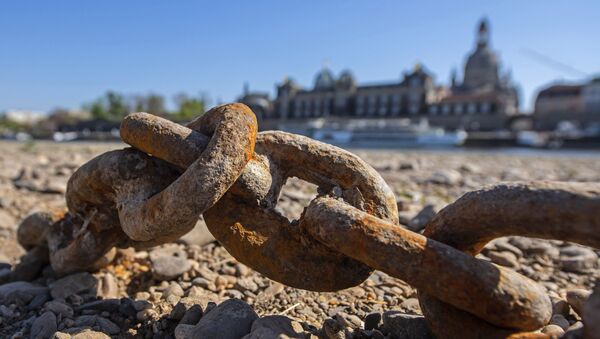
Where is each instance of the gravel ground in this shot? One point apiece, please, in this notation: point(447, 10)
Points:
point(156, 293)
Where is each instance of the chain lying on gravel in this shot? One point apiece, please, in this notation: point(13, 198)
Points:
point(219, 167)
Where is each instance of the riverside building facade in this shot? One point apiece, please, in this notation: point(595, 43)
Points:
point(484, 100)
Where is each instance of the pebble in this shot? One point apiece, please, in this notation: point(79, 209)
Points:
point(21, 287)
point(576, 298)
point(44, 326)
point(108, 287)
point(559, 320)
point(72, 284)
point(411, 305)
point(372, 321)
point(275, 327)
point(405, 326)
point(507, 259)
point(447, 177)
point(232, 319)
point(578, 259)
point(591, 315)
point(169, 262)
point(553, 331)
point(59, 308)
point(88, 334)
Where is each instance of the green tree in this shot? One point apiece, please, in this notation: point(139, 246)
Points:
point(111, 106)
point(189, 107)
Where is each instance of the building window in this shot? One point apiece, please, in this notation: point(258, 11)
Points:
point(372, 103)
point(458, 108)
point(471, 108)
point(485, 107)
point(433, 109)
point(446, 109)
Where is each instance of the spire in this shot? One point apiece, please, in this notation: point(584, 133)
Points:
point(483, 33)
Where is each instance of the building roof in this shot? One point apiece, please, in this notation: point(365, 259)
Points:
point(560, 90)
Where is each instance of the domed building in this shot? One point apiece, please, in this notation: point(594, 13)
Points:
point(485, 98)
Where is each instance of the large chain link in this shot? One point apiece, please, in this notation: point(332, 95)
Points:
point(155, 192)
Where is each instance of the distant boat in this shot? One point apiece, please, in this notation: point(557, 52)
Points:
point(397, 132)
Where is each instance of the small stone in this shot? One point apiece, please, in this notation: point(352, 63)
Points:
point(446, 177)
point(61, 335)
point(184, 331)
point(419, 221)
point(169, 262)
point(591, 314)
point(44, 326)
point(507, 259)
point(411, 305)
point(85, 320)
point(372, 321)
point(332, 329)
point(21, 286)
point(559, 320)
point(88, 334)
point(405, 326)
point(108, 287)
point(576, 298)
point(578, 259)
point(173, 290)
point(554, 331)
point(561, 307)
point(107, 326)
point(59, 308)
point(199, 235)
point(72, 284)
point(275, 327)
point(105, 305)
point(232, 319)
point(146, 314)
point(192, 315)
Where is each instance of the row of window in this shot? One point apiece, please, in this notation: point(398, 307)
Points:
point(462, 108)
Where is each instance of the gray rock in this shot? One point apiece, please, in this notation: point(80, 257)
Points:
point(22, 287)
point(108, 288)
point(372, 321)
point(88, 334)
point(275, 327)
point(192, 316)
point(405, 326)
point(169, 262)
point(232, 319)
point(591, 314)
point(44, 326)
point(554, 331)
point(507, 259)
point(173, 290)
point(560, 321)
point(59, 308)
point(180, 309)
point(106, 305)
point(411, 305)
point(419, 222)
point(107, 326)
point(578, 259)
point(446, 177)
point(184, 331)
point(72, 284)
point(576, 298)
point(535, 246)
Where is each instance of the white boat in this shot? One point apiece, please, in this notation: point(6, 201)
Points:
point(396, 132)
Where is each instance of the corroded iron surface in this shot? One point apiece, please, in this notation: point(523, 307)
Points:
point(549, 210)
point(130, 198)
point(245, 220)
point(498, 295)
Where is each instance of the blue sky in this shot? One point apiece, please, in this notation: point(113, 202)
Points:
point(66, 53)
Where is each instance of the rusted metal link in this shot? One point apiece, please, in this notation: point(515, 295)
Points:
point(245, 220)
point(498, 295)
point(127, 197)
point(548, 210)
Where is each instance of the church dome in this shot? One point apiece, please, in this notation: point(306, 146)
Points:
point(481, 69)
point(324, 79)
point(346, 80)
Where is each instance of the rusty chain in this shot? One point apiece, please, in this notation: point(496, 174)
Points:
point(219, 167)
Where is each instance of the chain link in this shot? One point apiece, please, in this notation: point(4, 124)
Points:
point(219, 167)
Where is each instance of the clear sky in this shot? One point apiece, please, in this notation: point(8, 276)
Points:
point(66, 53)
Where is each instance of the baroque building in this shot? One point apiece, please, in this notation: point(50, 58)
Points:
point(485, 98)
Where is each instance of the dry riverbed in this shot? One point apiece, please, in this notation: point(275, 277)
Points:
point(165, 291)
